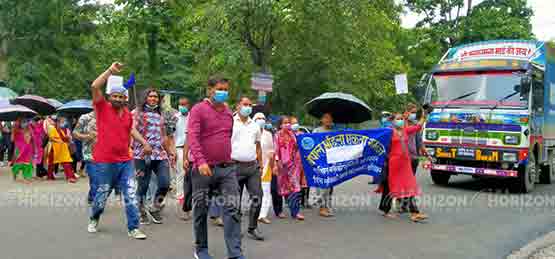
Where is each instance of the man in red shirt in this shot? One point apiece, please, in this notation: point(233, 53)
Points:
point(209, 135)
point(111, 154)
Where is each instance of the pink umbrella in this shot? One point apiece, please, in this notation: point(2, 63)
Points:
point(10, 112)
point(35, 103)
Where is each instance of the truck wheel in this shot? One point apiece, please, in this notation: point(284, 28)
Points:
point(547, 175)
point(526, 179)
point(440, 178)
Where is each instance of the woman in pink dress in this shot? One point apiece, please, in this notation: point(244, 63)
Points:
point(39, 136)
point(288, 167)
point(24, 149)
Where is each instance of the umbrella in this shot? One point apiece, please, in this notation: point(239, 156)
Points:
point(54, 102)
point(10, 112)
point(77, 107)
point(36, 103)
point(344, 108)
point(7, 93)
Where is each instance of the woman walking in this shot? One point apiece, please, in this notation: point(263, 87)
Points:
point(288, 167)
point(59, 152)
point(267, 146)
point(22, 137)
point(305, 190)
point(401, 183)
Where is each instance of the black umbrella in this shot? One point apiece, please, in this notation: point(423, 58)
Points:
point(9, 112)
point(344, 108)
point(35, 103)
point(76, 108)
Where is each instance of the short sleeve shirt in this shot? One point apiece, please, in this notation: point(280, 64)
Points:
point(151, 126)
point(86, 125)
point(113, 133)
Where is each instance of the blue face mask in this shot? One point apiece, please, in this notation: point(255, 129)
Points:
point(245, 111)
point(221, 96)
point(399, 123)
point(412, 117)
point(64, 125)
point(295, 127)
point(268, 126)
point(260, 122)
point(183, 110)
point(387, 124)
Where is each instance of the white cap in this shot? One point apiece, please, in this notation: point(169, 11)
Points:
point(115, 85)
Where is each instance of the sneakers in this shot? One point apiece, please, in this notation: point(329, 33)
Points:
point(218, 222)
point(201, 254)
point(136, 234)
point(255, 234)
point(264, 220)
point(92, 227)
point(143, 218)
point(155, 216)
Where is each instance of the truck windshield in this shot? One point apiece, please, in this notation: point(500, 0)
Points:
point(478, 89)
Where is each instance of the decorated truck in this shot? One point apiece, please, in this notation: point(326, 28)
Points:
point(493, 113)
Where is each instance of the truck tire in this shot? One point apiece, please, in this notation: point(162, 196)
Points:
point(525, 182)
point(547, 175)
point(440, 178)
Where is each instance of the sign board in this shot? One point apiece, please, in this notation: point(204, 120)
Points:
point(401, 84)
point(510, 49)
point(262, 82)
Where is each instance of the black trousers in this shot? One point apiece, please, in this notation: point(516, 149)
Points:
point(187, 191)
point(6, 146)
point(249, 176)
point(386, 199)
point(277, 200)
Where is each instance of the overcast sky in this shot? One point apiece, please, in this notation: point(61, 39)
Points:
point(543, 21)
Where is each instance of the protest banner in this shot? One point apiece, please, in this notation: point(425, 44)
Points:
point(332, 158)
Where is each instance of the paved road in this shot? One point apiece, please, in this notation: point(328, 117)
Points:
point(469, 219)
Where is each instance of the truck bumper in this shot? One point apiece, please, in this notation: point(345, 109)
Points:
point(456, 169)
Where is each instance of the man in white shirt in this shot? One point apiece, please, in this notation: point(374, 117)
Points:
point(182, 174)
point(246, 153)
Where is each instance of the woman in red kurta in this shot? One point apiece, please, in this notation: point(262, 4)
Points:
point(401, 182)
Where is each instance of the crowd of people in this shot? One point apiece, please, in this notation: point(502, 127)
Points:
point(214, 150)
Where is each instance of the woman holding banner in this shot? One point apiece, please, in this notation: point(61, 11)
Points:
point(289, 167)
point(401, 182)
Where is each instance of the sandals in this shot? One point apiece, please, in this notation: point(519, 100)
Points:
point(417, 217)
point(391, 215)
point(299, 217)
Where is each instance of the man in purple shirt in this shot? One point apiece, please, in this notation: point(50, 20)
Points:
point(209, 134)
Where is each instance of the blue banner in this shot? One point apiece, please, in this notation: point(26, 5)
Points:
point(334, 157)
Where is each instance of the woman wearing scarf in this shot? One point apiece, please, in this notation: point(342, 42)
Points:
point(39, 136)
point(59, 151)
point(288, 167)
point(401, 182)
point(22, 137)
point(305, 190)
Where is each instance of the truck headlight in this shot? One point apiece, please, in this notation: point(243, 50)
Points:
point(511, 140)
point(511, 157)
point(432, 135)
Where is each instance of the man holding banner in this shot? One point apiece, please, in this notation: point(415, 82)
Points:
point(324, 195)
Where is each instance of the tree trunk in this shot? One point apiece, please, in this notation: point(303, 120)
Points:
point(469, 8)
point(4, 61)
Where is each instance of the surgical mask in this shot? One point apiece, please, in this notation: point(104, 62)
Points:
point(286, 126)
point(24, 124)
point(64, 125)
point(183, 110)
point(268, 126)
point(260, 122)
point(245, 111)
point(387, 124)
point(295, 126)
point(399, 123)
point(220, 96)
point(412, 117)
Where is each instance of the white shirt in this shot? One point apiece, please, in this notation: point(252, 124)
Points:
point(243, 140)
point(180, 134)
point(267, 146)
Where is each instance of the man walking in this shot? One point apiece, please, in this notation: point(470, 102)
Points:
point(246, 153)
point(85, 131)
point(209, 135)
point(182, 176)
point(111, 153)
point(325, 195)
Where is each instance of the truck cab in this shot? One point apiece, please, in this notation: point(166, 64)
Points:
point(491, 104)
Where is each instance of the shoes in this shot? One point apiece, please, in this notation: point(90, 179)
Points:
point(155, 216)
point(264, 220)
point(92, 227)
point(282, 215)
point(201, 254)
point(299, 217)
point(326, 213)
point(136, 234)
point(255, 234)
point(143, 217)
point(218, 222)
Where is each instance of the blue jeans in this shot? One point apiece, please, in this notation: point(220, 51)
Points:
point(108, 176)
point(91, 172)
point(162, 170)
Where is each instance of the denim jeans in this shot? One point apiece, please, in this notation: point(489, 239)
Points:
point(91, 172)
point(122, 175)
point(225, 181)
point(162, 170)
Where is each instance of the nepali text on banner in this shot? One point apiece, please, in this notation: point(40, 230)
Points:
point(334, 157)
